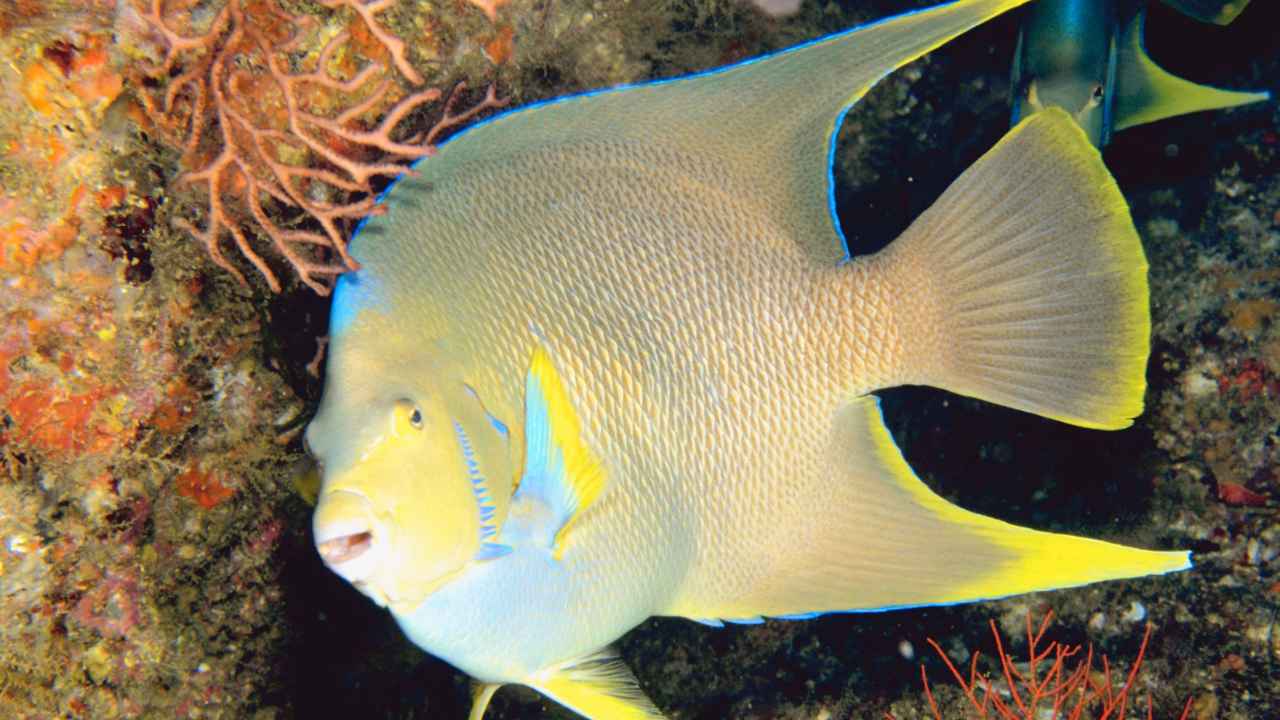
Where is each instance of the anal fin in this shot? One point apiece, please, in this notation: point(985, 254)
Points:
point(886, 541)
point(598, 686)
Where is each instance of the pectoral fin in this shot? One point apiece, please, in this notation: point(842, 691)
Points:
point(482, 694)
point(598, 686)
point(1146, 92)
point(561, 473)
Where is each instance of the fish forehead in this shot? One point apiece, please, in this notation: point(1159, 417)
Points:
point(667, 295)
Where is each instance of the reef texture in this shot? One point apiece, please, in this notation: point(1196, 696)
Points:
point(179, 180)
point(260, 122)
point(149, 514)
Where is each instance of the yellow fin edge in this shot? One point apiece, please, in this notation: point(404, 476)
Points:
point(598, 687)
point(1149, 93)
point(1041, 560)
point(1119, 240)
point(481, 695)
point(583, 473)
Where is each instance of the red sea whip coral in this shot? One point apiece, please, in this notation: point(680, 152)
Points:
point(1054, 682)
point(279, 138)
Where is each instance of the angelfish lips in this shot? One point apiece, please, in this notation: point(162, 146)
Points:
point(346, 536)
point(345, 548)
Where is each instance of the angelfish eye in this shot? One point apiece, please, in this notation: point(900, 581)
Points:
point(415, 418)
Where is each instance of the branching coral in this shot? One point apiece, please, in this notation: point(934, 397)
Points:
point(279, 136)
point(1055, 682)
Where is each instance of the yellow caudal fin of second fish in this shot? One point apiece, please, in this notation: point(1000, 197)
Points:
point(1025, 284)
point(1146, 92)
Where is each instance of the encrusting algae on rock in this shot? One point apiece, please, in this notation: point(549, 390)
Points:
point(140, 510)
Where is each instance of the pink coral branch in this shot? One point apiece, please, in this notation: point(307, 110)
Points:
point(393, 44)
point(1067, 677)
point(450, 120)
point(283, 152)
point(176, 43)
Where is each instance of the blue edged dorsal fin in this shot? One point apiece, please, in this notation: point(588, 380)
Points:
point(560, 472)
point(769, 123)
point(1146, 92)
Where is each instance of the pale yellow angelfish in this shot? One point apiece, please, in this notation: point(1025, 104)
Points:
point(608, 358)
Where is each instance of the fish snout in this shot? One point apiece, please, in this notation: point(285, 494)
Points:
point(346, 536)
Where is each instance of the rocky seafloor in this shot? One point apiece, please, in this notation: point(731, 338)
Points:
point(156, 558)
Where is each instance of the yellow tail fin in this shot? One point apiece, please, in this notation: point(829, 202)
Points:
point(1029, 283)
point(1146, 92)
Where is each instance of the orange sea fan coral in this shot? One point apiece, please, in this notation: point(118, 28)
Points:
point(279, 137)
point(489, 7)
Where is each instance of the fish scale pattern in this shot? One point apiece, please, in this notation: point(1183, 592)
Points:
point(706, 352)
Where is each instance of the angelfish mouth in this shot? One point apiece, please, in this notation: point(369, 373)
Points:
point(343, 549)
